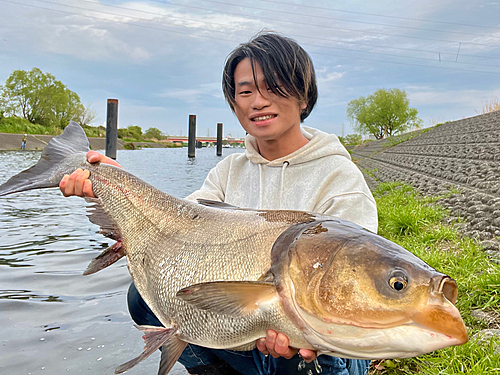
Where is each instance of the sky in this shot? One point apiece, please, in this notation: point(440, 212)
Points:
point(163, 59)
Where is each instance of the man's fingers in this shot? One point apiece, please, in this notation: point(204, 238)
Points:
point(87, 189)
point(80, 181)
point(282, 347)
point(270, 342)
point(69, 189)
point(94, 156)
point(261, 346)
point(62, 184)
point(308, 355)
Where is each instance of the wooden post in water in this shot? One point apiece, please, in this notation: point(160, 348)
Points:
point(219, 139)
point(192, 136)
point(112, 128)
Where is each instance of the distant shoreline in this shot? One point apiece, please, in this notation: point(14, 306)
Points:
point(37, 142)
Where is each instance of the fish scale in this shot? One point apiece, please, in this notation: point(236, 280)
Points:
point(227, 241)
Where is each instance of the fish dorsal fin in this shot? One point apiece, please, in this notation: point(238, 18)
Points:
point(98, 216)
point(234, 298)
point(217, 204)
point(154, 338)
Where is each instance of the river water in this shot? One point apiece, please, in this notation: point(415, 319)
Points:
point(54, 320)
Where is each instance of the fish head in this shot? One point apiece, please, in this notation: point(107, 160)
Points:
point(357, 294)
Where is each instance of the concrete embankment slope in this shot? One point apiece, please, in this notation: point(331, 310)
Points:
point(12, 142)
point(463, 155)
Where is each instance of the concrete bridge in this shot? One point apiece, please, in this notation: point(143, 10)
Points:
point(213, 140)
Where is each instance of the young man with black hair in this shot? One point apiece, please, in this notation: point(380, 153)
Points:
point(270, 85)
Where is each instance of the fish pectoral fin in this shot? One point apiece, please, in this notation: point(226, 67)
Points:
point(154, 338)
point(98, 216)
point(106, 258)
point(235, 298)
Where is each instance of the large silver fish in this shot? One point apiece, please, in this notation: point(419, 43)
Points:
point(219, 276)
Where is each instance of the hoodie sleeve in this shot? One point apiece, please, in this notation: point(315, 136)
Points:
point(215, 184)
point(211, 188)
point(356, 207)
point(346, 195)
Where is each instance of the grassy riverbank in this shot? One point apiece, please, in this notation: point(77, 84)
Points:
point(415, 223)
point(16, 125)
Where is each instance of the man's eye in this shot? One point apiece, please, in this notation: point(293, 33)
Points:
point(245, 92)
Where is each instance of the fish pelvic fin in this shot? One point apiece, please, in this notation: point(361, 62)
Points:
point(235, 298)
point(154, 338)
point(50, 169)
point(106, 258)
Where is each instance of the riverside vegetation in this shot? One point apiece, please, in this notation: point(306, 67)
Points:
point(133, 133)
point(416, 223)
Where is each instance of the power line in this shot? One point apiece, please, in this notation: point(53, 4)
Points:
point(323, 26)
point(330, 18)
point(317, 38)
point(229, 40)
point(302, 36)
point(381, 15)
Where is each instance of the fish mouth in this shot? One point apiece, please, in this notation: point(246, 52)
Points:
point(440, 314)
point(434, 324)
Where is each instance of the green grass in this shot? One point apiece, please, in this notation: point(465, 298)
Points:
point(415, 223)
point(16, 125)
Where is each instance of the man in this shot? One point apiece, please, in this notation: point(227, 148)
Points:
point(270, 85)
point(23, 141)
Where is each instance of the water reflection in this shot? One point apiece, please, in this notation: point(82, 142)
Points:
point(46, 242)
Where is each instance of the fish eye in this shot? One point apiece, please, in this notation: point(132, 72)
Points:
point(398, 281)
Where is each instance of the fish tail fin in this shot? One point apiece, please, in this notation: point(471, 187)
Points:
point(154, 338)
point(53, 163)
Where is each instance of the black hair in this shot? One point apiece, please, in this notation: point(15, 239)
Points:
point(287, 68)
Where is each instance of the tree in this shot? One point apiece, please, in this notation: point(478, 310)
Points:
point(383, 114)
point(132, 132)
point(86, 115)
point(351, 139)
point(153, 133)
point(39, 98)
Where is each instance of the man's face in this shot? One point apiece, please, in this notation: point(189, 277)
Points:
point(263, 114)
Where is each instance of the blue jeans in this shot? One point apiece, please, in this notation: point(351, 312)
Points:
point(250, 362)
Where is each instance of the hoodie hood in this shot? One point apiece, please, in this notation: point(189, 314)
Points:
point(320, 144)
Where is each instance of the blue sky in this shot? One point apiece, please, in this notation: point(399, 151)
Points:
point(163, 59)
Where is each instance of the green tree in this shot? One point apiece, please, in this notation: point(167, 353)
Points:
point(384, 113)
point(85, 116)
point(153, 133)
point(351, 139)
point(132, 132)
point(39, 98)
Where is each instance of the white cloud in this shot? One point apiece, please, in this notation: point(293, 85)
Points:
point(474, 98)
point(194, 95)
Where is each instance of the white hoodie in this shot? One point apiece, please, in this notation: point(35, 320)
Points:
point(319, 177)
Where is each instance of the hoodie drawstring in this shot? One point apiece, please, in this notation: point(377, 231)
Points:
point(285, 164)
point(261, 187)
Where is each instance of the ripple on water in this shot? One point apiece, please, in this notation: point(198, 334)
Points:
point(47, 308)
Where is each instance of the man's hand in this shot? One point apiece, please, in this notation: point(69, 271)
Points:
point(276, 344)
point(78, 183)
